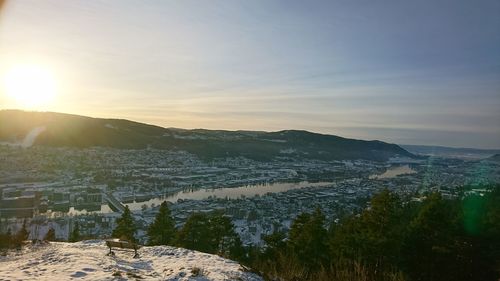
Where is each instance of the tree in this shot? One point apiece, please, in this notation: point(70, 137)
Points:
point(162, 231)
point(75, 234)
point(275, 243)
point(6, 239)
point(51, 235)
point(21, 236)
point(125, 226)
point(477, 244)
point(375, 236)
point(226, 241)
point(212, 234)
point(308, 240)
point(23, 233)
point(196, 235)
point(429, 248)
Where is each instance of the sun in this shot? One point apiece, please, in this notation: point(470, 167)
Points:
point(30, 86)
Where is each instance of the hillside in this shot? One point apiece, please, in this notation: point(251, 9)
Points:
point(494, 158)
point(87, 260)
point(57, 129)
point(451, 152)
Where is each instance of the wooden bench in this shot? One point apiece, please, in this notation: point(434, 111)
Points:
point(122, 245)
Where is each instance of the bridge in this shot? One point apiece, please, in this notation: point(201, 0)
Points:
point(114, 204)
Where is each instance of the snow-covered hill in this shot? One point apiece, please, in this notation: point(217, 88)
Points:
point(87, 260)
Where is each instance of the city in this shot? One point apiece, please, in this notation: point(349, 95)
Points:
point(92, 186)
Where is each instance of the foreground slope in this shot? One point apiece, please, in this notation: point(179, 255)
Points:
point(57, 129)
point(87, 260)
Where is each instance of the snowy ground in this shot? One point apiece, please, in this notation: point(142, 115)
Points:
point(87, 260)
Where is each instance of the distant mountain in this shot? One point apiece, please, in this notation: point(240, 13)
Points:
point(57, 129)
point(494, 158)
point(451, 152)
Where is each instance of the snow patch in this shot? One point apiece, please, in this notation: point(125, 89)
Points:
point(275, 140)
point(190, 137)
point(107, 125)
point(87, 260)
point(288, 151)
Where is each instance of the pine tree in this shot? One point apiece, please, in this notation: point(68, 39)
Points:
point(6, 239)
point(308, 239)
point(21, 236)
point(275, 243)
point(212, 234)
point(125, 226)
point(429, 249)
point(51, 235)
point(162, 231)
point(23, 233)
point(226, 241)
point(196, 234)
point(75, 234)
point(375, 236)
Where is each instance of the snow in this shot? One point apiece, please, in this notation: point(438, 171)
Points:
point(110, 126)
point(288, 151)
point(87, 260)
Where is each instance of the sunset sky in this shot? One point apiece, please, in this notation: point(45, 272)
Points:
point(409, 72)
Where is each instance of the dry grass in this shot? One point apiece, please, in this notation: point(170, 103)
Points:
point(288, 269)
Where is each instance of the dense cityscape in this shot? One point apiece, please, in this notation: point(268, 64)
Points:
point(57, 187)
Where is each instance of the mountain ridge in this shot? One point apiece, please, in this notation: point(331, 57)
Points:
point(450, 152)
point(494, 158)
point(62, 129)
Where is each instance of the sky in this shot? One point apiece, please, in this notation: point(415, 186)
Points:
point(407, 72)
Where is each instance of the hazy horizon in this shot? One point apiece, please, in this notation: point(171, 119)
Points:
point(422, 73)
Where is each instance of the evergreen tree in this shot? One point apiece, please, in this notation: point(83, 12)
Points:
point(196, 234)
point(21, 236)
point(226, 241)
point(212, 234)
point(6, 239)
point(476, 245)
point(374, 237)
point(429, 250)
point(275, 246)
point(75, 234)
point(437, 239)
point(125, 226)
point(51, 235)
point(162, 231)
point(489, 247)
point(23, 233)
point(308, 240)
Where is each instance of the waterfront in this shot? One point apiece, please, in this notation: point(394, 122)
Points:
point(394, 172)
point(244, 191)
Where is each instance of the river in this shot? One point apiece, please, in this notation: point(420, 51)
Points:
point(200, 194)
point(394, 172)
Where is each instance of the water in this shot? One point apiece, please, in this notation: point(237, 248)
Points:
point(237, 192)
point(394, 172)
point(201, 194)
point(227, 192)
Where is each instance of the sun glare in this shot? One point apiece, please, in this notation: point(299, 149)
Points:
point(30, 86)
